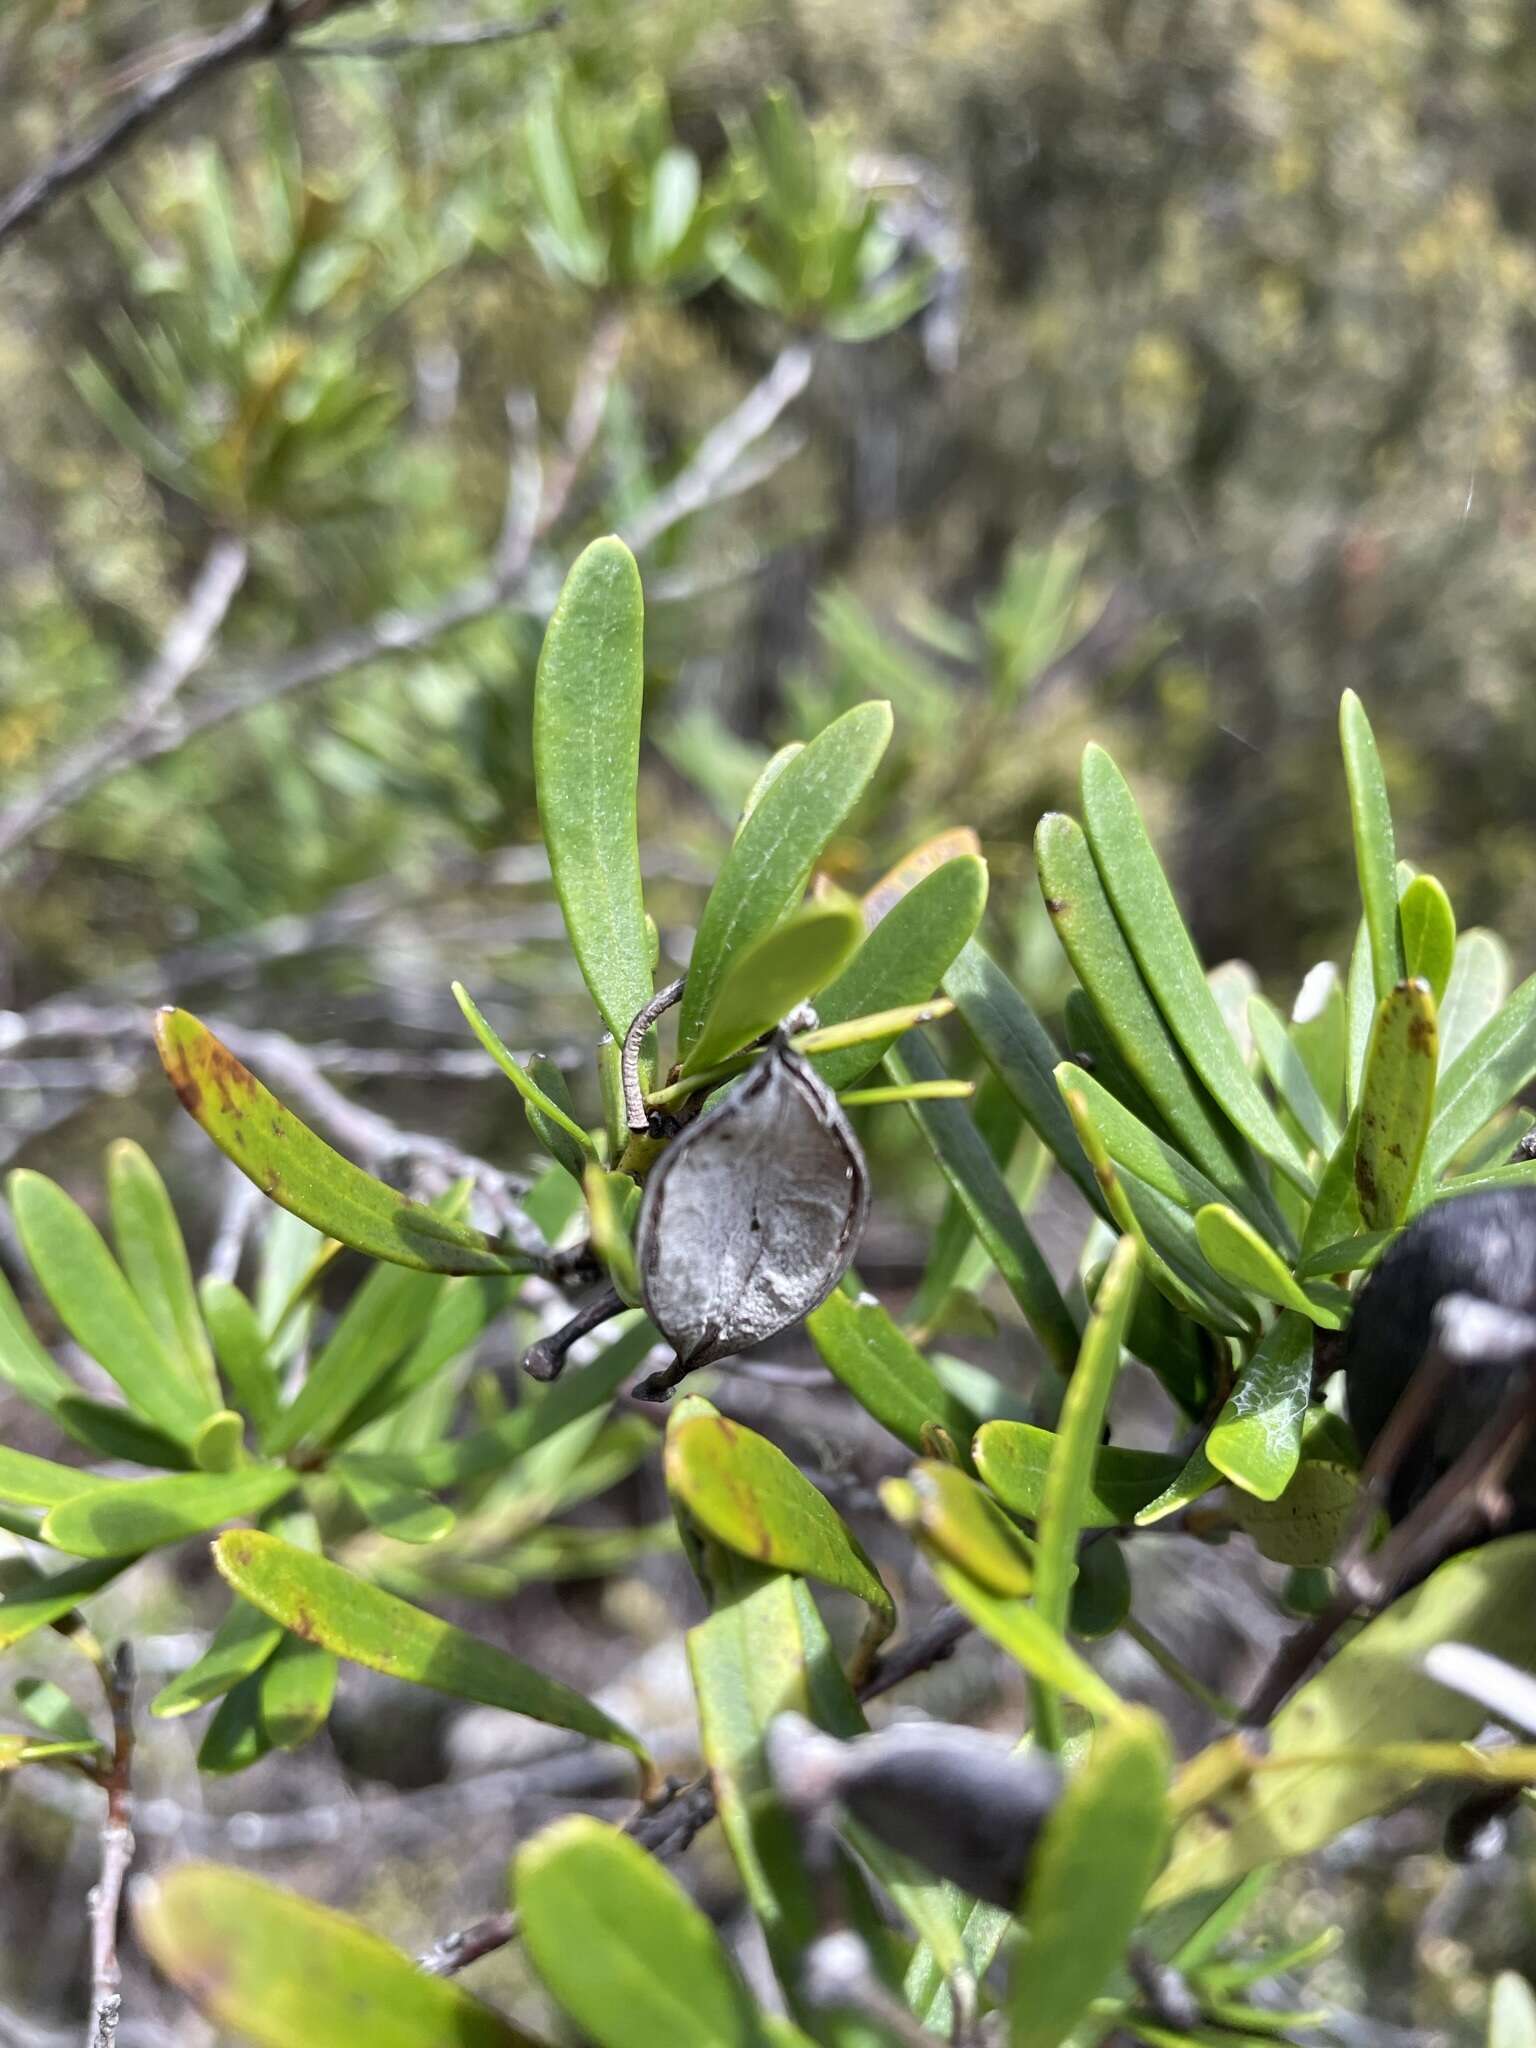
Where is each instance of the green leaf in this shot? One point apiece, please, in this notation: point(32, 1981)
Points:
point(300, 1172)
point(975, 1177)
point(586, 754)
point(1489, 1073)
point(1196, 1477)
point(219, 1445)
point(1372, 1693)
point(126, 1517)
point(537, 1101)
point(741, 1490)
point(335, 1608)
point(902, 960)
point(236, 1737)
point(1320, 1031)
point(1359, 1011)
point(154, 1258)
point(380, 1323)
point(1096, 1858)
point(1428, 926)
point(1256, 1439)
point(1235, 1249)
point(24, 1364)
point(554, 1137)
point(33, 1599)
point(403, 1512)
point(765, 872)
point(1014, 1458)
point(96, 1305)
point(1104, 964)
point(1019, 1051)
point(285, 1973)
point(298, 1683)
point(1304, 1526)
point(1286, 1067)
point(1335, 1215)
point(38, 1483)
point(1397, 1099)
point(1511, 2013)
point(49, 1707)
point(1149, 917)
point(241, 1644)
point(765, 980)
point(885, 1372)
point(1132, 1145)
point(1375, 850)
point(598, 1917)
point(1064, 1506)
point(1476, 992)
point(242, 1353)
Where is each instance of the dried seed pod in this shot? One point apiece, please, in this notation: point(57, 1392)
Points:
point(752, 1216)
point(964, 1804)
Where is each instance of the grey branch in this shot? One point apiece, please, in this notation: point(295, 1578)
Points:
point(471, 35)
point(185, 646)
point(260, 32)
point(116, 1854)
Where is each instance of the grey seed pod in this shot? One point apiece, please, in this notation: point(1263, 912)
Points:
point(966, 1805)
point(753, 1215)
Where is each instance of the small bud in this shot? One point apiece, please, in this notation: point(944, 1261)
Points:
point(964, 1804)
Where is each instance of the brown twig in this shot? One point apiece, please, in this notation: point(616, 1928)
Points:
point(260, 32)
point(116, 1851)
point(667, 1827)
point(187, 643)
point(471, 35)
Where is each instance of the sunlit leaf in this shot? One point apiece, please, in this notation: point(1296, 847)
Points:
point(1320, 1031)
point(300, 1172)
point(1148, 915)
point(598, 1916)
point(586, 750)
point(403, 1512)
point(1098, 1854)
point(125, 1517)
point(241, 1644)
point(884, 1371)
point(236, 1737)
point(1235, 1249)
point(1289, 1076)
point(1014, 1457)
point(1372, 1693)
point(764, 981)
point(24, 1364)
point(219, 1445)
point(244, 1359)
point(1511, 2012)
point(1476, 992)
point(1489, 1072)
point(913, 869)
point(1304, 1526)
point(285, 1973)
point(382, 1320)
point(49, 1707)
point(1256, 1439)
point(1375, 849)
point(1397, 1099)
point(38, 1482)
point(1428, 926)
point(333, 1607)
point(741, 1490)
point(154, 1258)
point(903, 960)
point(96, 1305)
point(31, 1599)
point(764, 874)
point(536, 1099)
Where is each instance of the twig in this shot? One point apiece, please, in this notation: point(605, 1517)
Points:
point(458, 36)
point(261, 31)
point(187, 643)
point(668, 1827)
point(116, 1852)
point(708, 476)
point(584, 415)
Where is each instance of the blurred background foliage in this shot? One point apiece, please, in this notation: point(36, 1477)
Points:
point(1174, 367)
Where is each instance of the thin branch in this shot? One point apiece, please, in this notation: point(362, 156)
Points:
point(260, 32)
point(584, 415)
point(668, 1827)
point(471, 35)
point(186, 645)
point(116, 1853)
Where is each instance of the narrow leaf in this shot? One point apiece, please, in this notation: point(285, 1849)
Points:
point(125, 1517)
point(765, 872)
point(297, 1684)
point(535, 1099)
point(31, 1599)
point(241, 1644)
point(38, 1483)
point(1287, 1070)
point(154, 1258)
point(1256, 1439)
point(327, 1605)
point(764, 981)
point(1320, 1031)
point(1235, 1248)
point(902, 961)
point(1014, 1458)
point(1375, 850)
point(1397, 1099)
point(586, 753)
point(242, 1353)
point(402, 1512)
point(1476, 992)
point(885, 1372)
point(24, 1364)
point(300, 1172)
point(1486, 1075)
point(380, 1323)
point(1148, 915)
point(1428, 926)
point(285, 1973)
